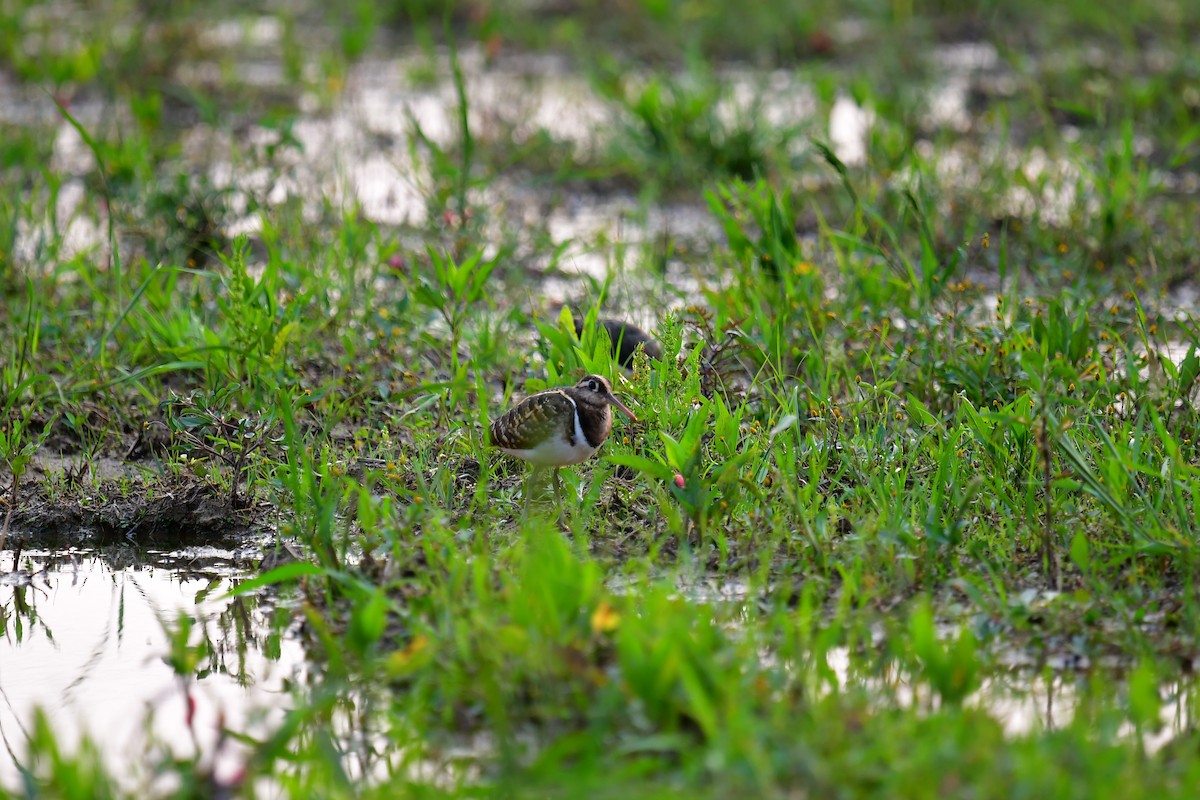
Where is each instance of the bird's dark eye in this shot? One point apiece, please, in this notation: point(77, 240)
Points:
point(594, 385)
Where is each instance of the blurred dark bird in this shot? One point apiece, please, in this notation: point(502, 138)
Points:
point(626, 338)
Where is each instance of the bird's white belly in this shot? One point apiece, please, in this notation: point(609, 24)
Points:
point(556, 451)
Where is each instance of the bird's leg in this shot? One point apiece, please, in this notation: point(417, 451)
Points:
point(528, 488)
point(562, 510)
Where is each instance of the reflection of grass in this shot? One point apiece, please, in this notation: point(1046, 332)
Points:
point(916, 406)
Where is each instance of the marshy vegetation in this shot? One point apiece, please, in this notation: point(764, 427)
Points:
point(910, 505)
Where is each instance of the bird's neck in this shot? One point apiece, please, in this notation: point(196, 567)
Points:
point(595, 417)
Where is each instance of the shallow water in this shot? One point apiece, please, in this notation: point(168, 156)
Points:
point(1020, 697)
point(1024, 701)
point(82, 636)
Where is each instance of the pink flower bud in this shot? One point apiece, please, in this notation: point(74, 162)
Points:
point(678, 480)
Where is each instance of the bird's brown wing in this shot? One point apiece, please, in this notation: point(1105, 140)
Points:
point(533, 420)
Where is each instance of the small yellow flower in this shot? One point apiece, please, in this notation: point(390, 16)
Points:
point(401, 659)
point(605, 618)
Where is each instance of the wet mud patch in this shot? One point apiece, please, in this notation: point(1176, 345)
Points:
point(178, 510)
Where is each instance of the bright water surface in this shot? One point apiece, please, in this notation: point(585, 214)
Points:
point(84, 637)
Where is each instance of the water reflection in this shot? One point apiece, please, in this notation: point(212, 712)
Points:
point(1023, 699)
point(85, 637)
